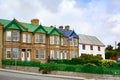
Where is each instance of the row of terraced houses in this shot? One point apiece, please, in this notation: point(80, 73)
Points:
point(34, 41)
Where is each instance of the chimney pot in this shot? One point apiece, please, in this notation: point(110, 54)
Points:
point(35, 21)
point(67, 27)
point(60, 27)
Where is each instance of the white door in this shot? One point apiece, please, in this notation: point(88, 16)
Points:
point(28, 55)
point(23, 56)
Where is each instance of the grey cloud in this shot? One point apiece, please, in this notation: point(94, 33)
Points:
point(51, 5)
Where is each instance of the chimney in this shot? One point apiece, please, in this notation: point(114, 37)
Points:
point(60, 27)
point(35, 21)
point(67, 27)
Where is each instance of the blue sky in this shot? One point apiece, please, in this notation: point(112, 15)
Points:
point(100, 18)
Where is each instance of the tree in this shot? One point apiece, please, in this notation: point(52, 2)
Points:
point(118, 45)
point(109, 47)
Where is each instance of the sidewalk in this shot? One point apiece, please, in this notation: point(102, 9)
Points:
point(46, 75)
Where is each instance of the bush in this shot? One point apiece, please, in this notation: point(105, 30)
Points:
point(84, 59)
point(108, 63)
point(46, 70)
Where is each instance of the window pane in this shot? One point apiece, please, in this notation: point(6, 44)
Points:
point(57, 54)
point(51, 54)
point(83, 46)
point(29, 38)
point(57, 40)
point(24, 37)
point(64, 42)
point(15, 53)
point(8, 51)
point(8, 36)
point(42, 38)
point(51, 39)
point(15, 36)
point(42, 54)
point(36, 53)
point(36, 38)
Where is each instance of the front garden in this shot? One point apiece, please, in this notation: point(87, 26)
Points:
point(86, 64)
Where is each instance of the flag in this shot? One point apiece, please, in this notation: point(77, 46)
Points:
point(69, 38)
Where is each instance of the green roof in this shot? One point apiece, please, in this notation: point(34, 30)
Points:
point(15, 24)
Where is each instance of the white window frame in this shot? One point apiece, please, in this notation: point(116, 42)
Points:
point(57, 54)
point(64, 41)
point(42, 38)
point(42, 53)
point(37, 37)
point(8, 50)
point(15, 36)
point(36, 53)
point(29, 38)
point(15, 53)
point(24, 37)
point(72, 42)
point(51, 39)
point(52, 56)
point(57, 40)
point(8, 35)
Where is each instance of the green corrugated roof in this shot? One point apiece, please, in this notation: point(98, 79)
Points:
point(28, 27)
point(4, 22)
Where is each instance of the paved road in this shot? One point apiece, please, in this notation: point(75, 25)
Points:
point(17, 76)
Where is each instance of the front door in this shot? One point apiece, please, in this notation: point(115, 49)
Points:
point(28, 55)
point(23, 56)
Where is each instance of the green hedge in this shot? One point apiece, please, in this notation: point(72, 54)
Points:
point(87, 68)
point(21, 63)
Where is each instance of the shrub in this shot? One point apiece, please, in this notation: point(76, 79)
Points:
point(46, 70)
point(108, 63)
point(87, 59)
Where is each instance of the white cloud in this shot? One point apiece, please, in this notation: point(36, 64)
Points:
point(96, 17)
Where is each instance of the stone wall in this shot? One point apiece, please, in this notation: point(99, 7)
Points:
point(75, 74)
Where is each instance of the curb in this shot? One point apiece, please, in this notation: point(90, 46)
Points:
point(46, 75)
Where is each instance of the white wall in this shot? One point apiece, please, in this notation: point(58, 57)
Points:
point(94, 51)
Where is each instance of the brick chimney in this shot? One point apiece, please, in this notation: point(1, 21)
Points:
point(35, 21)
point(60, 27)
point(67, 27)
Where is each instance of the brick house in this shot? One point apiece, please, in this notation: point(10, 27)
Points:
point(33, 41)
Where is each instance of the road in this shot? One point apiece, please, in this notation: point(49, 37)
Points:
point(18, 76)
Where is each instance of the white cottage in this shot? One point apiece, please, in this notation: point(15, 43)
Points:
point(91, 45)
